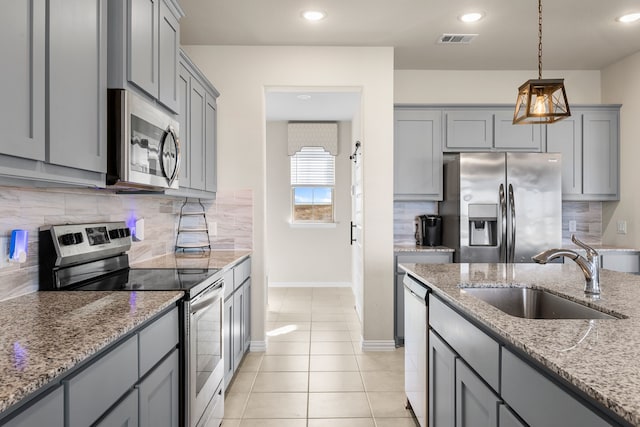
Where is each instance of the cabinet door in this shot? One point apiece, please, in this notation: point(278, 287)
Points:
point(510, 137)
point(417, 164)
point(227, 340)
point(210, 169)
point(238, 339)
point(565, 137)
point(184, 177)
point(600, 154)
point(48, 411)
point(23, 79)
point(143, 50)
point(476, 405)
point(78, 84)
point(246, 321)
point(197, 111)
point(168, 45)
point(469, 130)
point(442, 382)
point(159, 395)
point(123, 415)
point(507, 418)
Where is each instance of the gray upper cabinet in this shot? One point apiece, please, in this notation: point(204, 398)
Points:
point(589, 143)
point(23, 79)
point(417, 154)
point(600, 155)
point(184, 178)
point(77, 84)
point(210, 144)
point(196, 134)
point(54, 93)
point(510, 137)
point(144, 42)
point(565, 137)
point(468, 130)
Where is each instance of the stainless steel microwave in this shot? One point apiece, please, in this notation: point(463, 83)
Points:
point(143, 143)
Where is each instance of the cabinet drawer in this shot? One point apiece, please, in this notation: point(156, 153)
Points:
point(541, 402)
point(91, 392)
point(158, 339)
point(48, 411)
point(480, 351)
point(241, 272)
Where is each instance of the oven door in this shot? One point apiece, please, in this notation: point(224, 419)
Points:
point(205, 350)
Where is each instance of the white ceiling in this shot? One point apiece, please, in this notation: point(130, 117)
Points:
point(577, 34)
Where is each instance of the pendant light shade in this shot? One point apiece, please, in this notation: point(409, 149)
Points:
point(541, 100)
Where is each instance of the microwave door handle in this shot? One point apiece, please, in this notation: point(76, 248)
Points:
point(173, 174)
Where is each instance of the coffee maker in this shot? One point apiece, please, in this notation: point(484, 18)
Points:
point(428, 230)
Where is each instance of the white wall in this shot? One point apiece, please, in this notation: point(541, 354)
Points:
point(484, 86)
point(621, 85)
point(241, 74)
point(307, 256)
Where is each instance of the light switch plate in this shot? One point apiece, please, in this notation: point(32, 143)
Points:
point(622, 226)
point(572, 226)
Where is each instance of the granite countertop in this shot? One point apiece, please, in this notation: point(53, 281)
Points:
point(44, 334)
point(416, 248)
point(599, 357)
point(207, 259)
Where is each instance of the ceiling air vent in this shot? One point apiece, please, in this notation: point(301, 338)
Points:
point(456, 38)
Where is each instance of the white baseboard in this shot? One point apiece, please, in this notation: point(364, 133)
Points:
point(378, 345)
point(258, 346)
point(309, 284)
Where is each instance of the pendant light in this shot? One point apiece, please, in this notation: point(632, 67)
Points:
point(541, 100)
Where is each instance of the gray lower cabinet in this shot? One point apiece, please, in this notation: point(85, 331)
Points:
point(417, 158)
point(56, 68)
point(476, 404)
point(624, 261)
point(589, 143)
point(442, 382)
point(398, 290)
point(47, 411)
point(506, 418)
point(159, 394)
point(144, 38)
point(237, 317)
point(198, 127)
point(125, 414)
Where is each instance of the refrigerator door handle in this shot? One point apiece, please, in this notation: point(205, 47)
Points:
point(512, 208)
point(503, 223)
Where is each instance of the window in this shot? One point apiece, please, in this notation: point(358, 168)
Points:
point(312, 185)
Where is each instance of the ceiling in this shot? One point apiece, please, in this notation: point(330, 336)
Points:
point(577, 34)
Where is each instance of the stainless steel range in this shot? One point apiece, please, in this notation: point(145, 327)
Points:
point(78, 257)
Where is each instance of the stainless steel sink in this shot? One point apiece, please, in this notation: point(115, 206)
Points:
point(531, 303)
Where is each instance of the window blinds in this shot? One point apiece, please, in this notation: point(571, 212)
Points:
point(312, 166)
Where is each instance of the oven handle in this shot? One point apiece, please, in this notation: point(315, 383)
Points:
point(206, 297)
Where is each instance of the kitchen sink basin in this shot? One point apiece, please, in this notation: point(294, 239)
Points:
point(531, 303)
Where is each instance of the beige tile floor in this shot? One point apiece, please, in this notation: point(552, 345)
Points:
point(314, 373)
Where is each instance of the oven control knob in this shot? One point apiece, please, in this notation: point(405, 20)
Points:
point(78, 238)
point(121, 232)
point(67, 239)
point(127, 232)
point(113, 234)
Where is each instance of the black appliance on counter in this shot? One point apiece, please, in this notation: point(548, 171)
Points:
point(428, 230)
point(92, 257)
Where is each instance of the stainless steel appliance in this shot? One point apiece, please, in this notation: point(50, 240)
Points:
point(501, 207)
point(416, 368)
point(93, 257)
point(143, 144)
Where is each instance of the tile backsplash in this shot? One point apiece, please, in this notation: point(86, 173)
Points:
point(587, 215)
point(230, 219)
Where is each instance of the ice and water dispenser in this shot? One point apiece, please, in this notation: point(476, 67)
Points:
point(483, 224)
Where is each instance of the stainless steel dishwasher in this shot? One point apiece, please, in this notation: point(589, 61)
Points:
point(416, 315)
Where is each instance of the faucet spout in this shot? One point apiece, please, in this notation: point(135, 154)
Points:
point(590, 265)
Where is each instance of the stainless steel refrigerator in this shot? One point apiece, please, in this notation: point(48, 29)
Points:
point(501, 207)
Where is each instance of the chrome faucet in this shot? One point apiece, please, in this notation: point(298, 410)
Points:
point(590, 265)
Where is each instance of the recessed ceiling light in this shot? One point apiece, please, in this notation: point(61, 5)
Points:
point(629, 17)
point(304, 97)
point(471, 17)
point(314, 15)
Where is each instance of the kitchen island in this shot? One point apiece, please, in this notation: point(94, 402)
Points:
point(595, 360)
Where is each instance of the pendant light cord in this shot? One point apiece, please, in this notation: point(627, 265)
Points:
point(540, 39)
